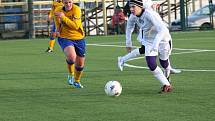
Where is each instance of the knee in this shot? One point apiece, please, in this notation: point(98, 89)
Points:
point(69, 61)
point(79, 68)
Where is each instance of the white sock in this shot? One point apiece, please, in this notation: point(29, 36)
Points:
point(134, 53)
point(167, 71)
point(170, 67)
point(158, 73)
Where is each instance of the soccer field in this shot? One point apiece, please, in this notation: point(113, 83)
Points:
point(33, 84)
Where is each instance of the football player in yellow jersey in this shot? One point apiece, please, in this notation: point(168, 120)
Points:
point(55, 4)
point(71, 38)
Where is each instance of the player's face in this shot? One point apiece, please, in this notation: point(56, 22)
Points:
point(135, 10)
point(68, 4)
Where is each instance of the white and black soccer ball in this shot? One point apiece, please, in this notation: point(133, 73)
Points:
point(113, 88)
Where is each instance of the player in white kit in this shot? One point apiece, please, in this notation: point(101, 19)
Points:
point(154, 34)
point(138, 51)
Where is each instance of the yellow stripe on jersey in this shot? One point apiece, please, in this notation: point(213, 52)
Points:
point(70, 25)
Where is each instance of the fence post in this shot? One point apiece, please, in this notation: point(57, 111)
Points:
point(211, 13)
point(30, 19)
point(104, 17)
point(182, 13)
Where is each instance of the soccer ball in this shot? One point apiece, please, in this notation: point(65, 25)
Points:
point(113, 88)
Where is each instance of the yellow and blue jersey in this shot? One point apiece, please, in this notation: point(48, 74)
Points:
point(70, 25)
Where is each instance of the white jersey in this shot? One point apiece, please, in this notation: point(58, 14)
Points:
point(152, 30)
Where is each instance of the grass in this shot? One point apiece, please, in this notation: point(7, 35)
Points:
point(33, 83)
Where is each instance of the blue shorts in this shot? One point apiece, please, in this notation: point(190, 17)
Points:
point(79, 45)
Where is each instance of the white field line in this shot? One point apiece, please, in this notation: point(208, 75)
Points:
point(193, 70)
point(110, 45)
point(199, 38)
point(101, 45)
point(197, 51)
point(190, 51)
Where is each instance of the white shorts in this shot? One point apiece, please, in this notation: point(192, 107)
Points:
point(140, 39)
point(164, 50)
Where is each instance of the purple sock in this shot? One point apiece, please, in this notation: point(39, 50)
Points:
point(164, 63)
point(151, 62)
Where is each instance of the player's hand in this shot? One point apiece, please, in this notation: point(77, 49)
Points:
point(59, 14)
point(128, 49)
point(49, 19)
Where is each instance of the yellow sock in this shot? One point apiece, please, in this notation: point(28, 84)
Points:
point(78, 75)
point(51, 44)
point(71, 68)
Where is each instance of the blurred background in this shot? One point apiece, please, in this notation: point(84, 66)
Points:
point(28, 18)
